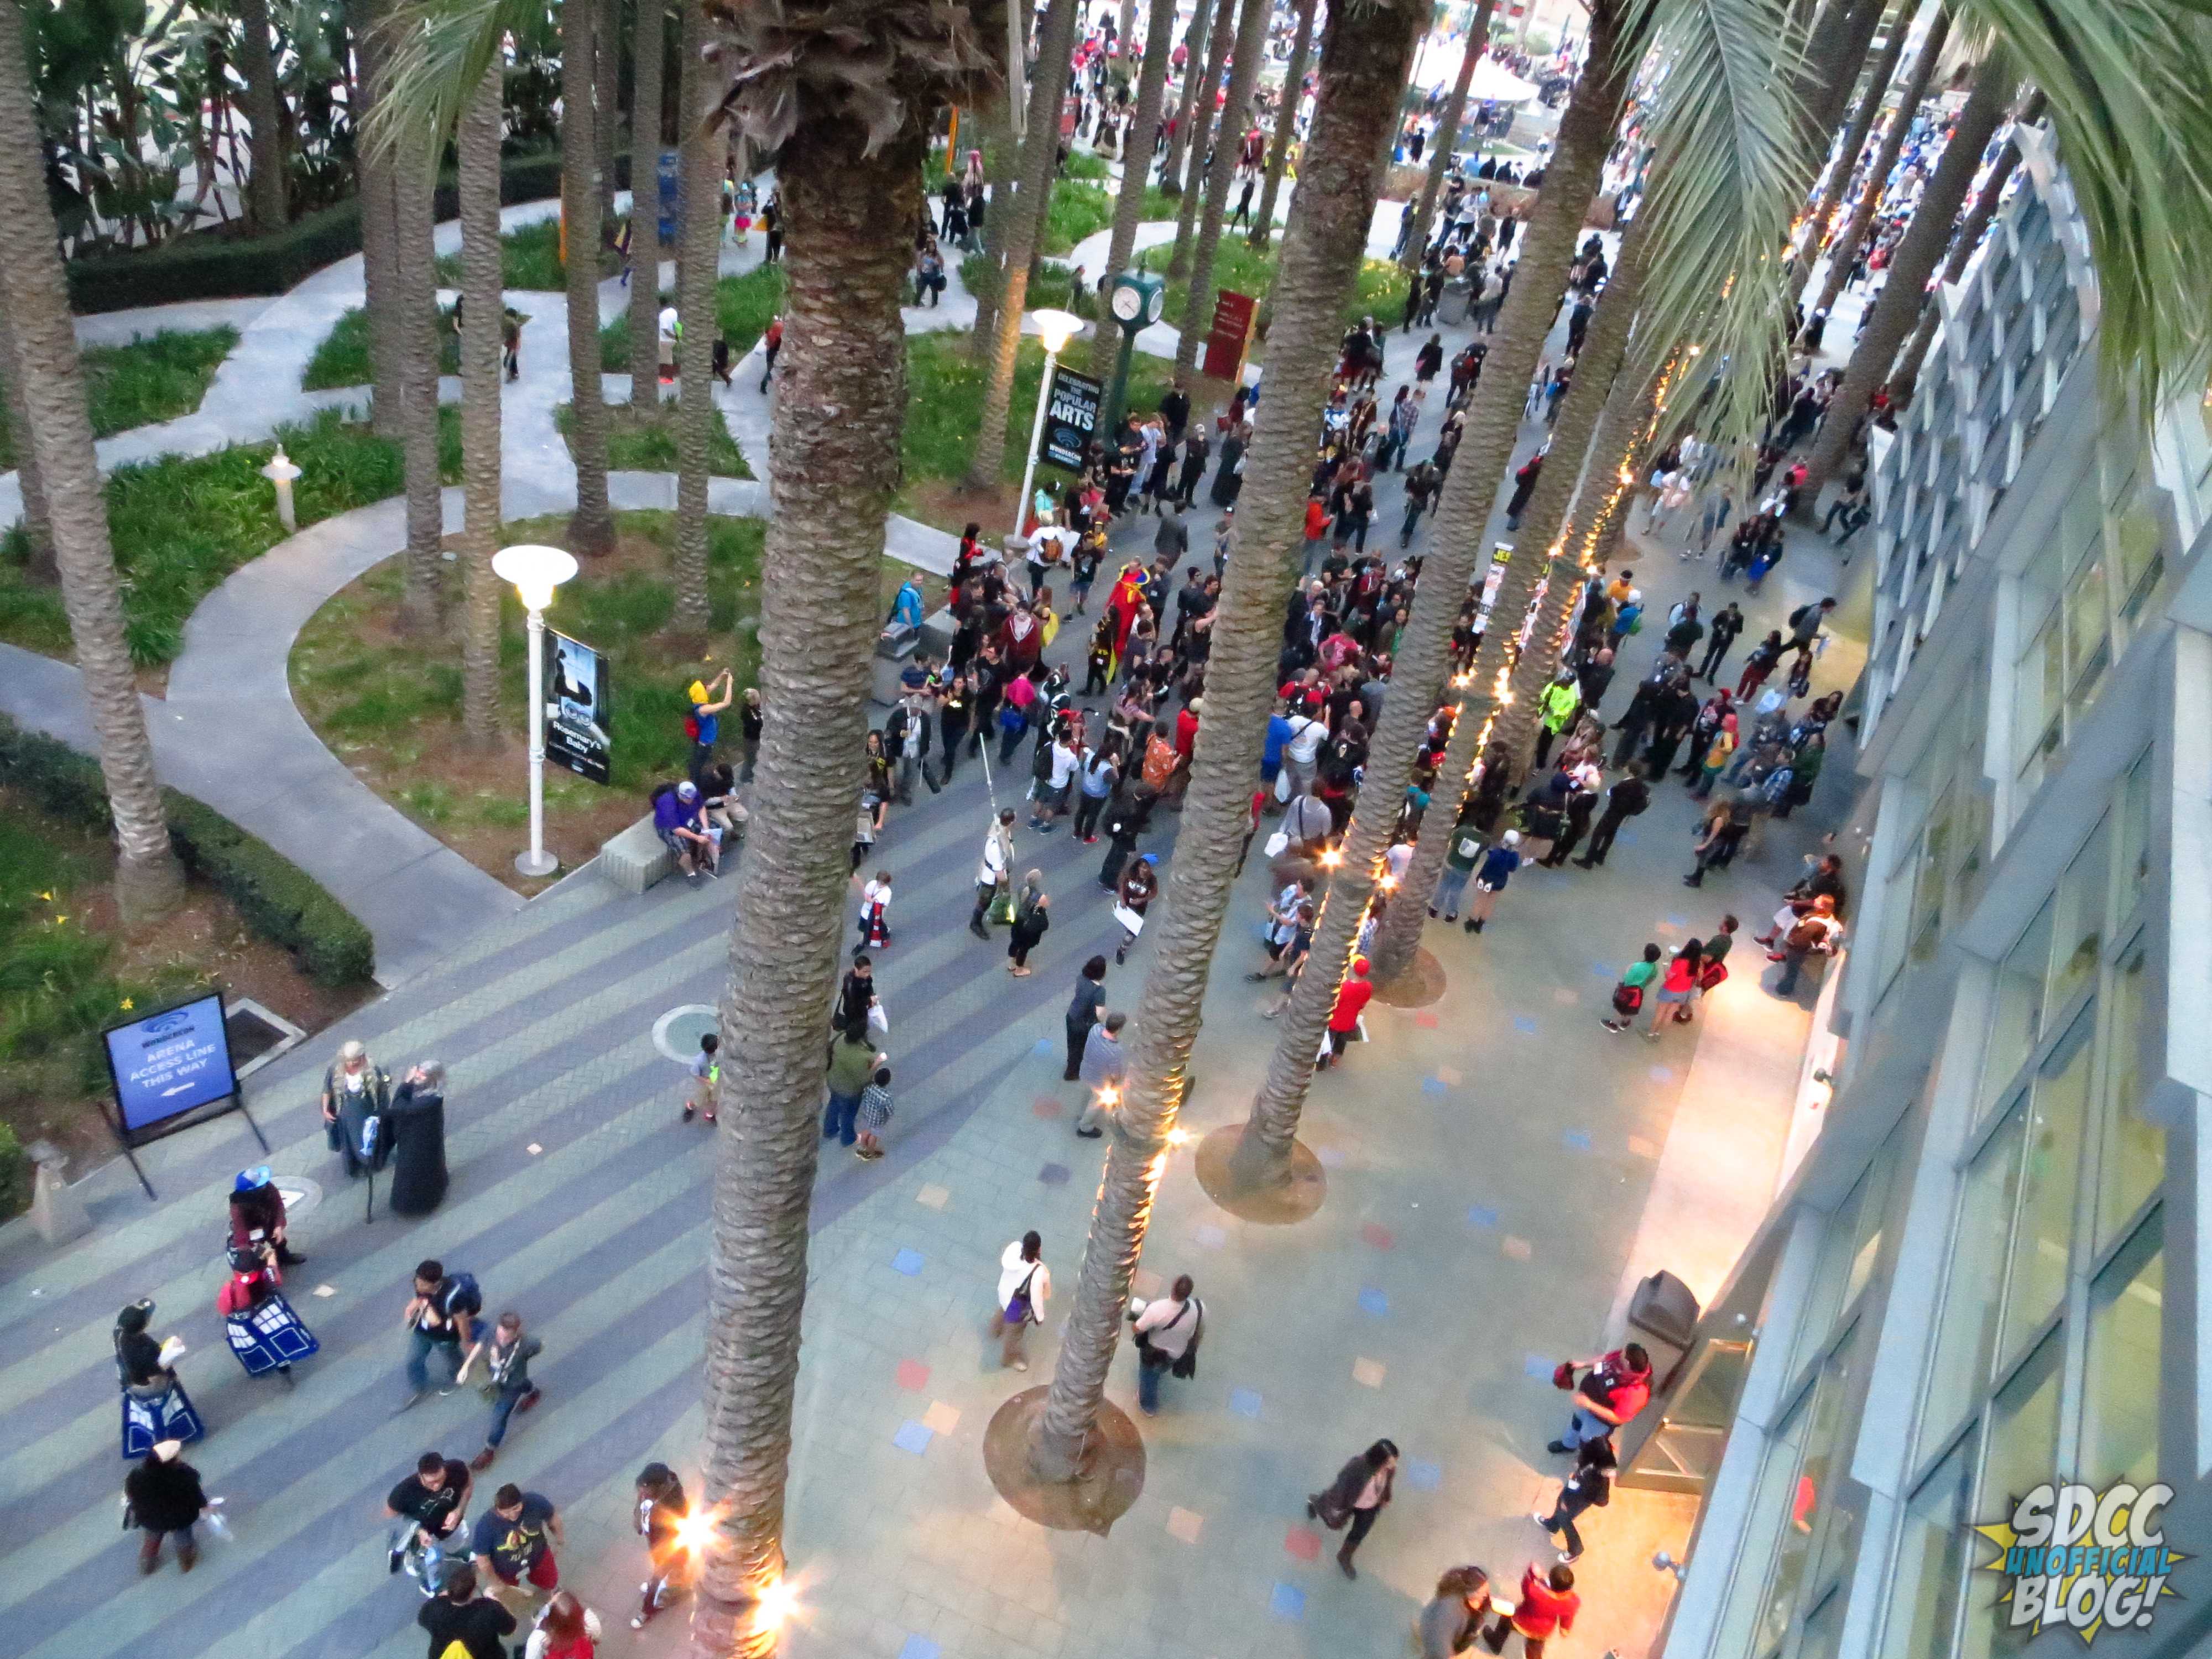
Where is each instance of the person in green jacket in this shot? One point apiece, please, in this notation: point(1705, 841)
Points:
point(852, 1062)
point(1558, 704)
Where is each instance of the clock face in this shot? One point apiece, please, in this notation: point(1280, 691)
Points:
point(1128, 302)
point(1155, 304)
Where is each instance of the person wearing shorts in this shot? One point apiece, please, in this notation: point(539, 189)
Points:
point(513, 1542)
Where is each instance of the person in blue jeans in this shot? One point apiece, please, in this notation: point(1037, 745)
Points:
point(1460, 860)
point(506, 1360)
point(441, 1319)
point(1167, 1328)
point(852, 1062)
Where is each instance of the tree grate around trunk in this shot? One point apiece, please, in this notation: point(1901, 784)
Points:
point(1112, 1477)
point(1281, 1204)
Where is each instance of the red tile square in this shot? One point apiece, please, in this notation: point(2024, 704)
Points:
point(1379, 1236)
point(1045, 1106)
point(913, 1376)
point(1303, 1543)
point(1426, 1019)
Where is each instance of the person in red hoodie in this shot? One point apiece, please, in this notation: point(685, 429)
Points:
point(1548, 1607)
point(1351, 998)
point(1616, 1388)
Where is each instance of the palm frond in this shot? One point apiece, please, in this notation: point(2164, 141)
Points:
point(2129, 86)
point(1729, 168)
point(436, 54)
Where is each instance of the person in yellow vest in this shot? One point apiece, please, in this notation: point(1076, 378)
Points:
point(1558, 704)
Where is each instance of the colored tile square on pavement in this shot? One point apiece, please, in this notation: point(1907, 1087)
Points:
point(913, 1437)
point(1210, 1237)
point(1536, 1366)
point(1373, 1301)
point(1432, 1085)
point(1643, 1148)
point(1662, 1074)
point(941, 1418)
point(1423, 1475)
point(1379, 1236)
point(1368, 1373)
point(1053, 1175)
point(908, 1262)
point(1426, 1019)
point(913, 1376)
point(1045, 1106)
point(1332, 1157)
point(932, 1196)
point(1518, 1249)
point(1185, 1524)
point(920, 1647)
point(1303, 1542)
point(1525, 1026)
point(1575, 1140)
point(1245, 1402)
point(1288, 1603)
point(1481, 1215)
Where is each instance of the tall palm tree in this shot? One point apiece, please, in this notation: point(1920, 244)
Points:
point(648, 52)
point(1204, 131)
point(379, 245)
point(415, 321)
point(845, 90)
point(1287, 120)
point(1000, 133)
point(43, 361)
point(696, 266)
point(1193, 44)
point(1245, 72)
point(1024, 219)
point(1365, 54)
point(606, 97)
point(592, 529)
point(482, 125)
point(1845, 156)
point(38, 523)
point(1843, 251)
point(1447, 139)
point(265, 189)
point(1136, 164)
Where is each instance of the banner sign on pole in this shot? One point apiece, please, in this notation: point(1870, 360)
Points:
point(576, 717)
point(165, 1065)
point(1071, 417)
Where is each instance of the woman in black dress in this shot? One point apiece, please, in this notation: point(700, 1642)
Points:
point(418, 1150)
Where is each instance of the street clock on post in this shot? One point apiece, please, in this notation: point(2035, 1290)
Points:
point(1136, 299)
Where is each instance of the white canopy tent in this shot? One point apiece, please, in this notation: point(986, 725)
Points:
point(1438, 66)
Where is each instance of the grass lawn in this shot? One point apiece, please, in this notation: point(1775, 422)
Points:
point(342, 359)
point(530, 258)
point(1080, 209)
point(389, 705)
point(155, 377)
point(181, 525)
point(649, 445)
point(1242, 269)
point(744, 306)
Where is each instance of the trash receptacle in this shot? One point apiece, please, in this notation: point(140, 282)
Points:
point(894, 646)
point(1452, 305)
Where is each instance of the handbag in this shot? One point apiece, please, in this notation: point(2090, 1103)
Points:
point(1711, 975)
point(1627, 998)
point(1563, 1375)
point(1185, 1365)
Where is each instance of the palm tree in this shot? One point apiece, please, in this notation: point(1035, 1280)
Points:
point(379, 247)
point(264, 180)
point(1204, 134)
point(1447, 140)
point(1024, 219)
point(606, 98)
point(1136, 163)
point(1844, 251)
point(416, 322)
point(1844, 159)
point(481, 320)
point(1000, 131)
point(1198, 302)
point(696, 266)
point(1365, 55)
point(56, 426)
point(1194, 40)
point(592, 529)
point(647, 53)
point(1286, 122)
point(38, 525)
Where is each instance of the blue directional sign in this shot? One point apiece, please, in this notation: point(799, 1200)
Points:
point(169, 1063)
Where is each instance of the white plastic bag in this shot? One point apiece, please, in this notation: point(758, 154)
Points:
point(1278, 844)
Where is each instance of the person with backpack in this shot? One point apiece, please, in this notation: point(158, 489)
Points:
point(1635, 987)
point(429, 1507)
point(507, 1381)
point(264, 1333)
point(1498, 865)
point(565, 1629)
point(463, 1625)
point(1591, 1486)
point(357, 1094)
point(440, 1318)
point(1167, 1331)
point(1025, 1287)
point(661, 1511)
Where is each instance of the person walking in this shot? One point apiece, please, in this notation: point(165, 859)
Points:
point(1461, 857)
point(1614, 1387)
point(1589, 1485)
point(661, 1510)
point(1357, 1495)
point(1720, 639)
point(507, 1384)
point(1546, 1608)
point(1083, 1011)
point(1105, 1065)
point(257, 1214)
point(1139, 886)
point(417, 1126)
point(1717, 754)
point(854, 1059)
point(514, 1539)
point(1452, 1620)
point(1634, 989)
point(265, 1334)
point(429, 1507)
point(1498, 865)
point(162, 1497)
point(994, 873)
point(1095, 784)
point(1025, 1287)
point(1628, 798)
point(1167, 1331)
point(440, 1318)
point(459, 1614)
point(155, 1407)
point(702, 1077)
point(1032, 916)
point(1343, 1016)
point(1561, 701)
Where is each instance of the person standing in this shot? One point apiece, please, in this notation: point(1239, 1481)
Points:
point(1167, 1331)
point(155, 1405)
point(417, 1121)
point(703, 723)
point(356, 1093)
point(1633, 990)
point(514, 1539)
point(1590, 1485)
point(1139, 886)
point(457, 1613)
point(440, 1318)
point(565, 1629)
point(1721, 640)
point(164, 1499)
point(751, 719)
point(1453, 1618)
point(1105, 1065)
point(1032, 916)
point(701, 1077)
point(257, 1214)
point(854, 1059)
point(429, 1506)
point(1084, 1010)
point(1561, 701)
point(1359, 1495)
point(1627, 799)
point(265, 1334)
point(507, 1367)
point(1461, 857)
point(995, 872)
point(661, 1511)
point(1025, 1287)
point(1613, 1389)
point(1498, 865)
point(1351, 998)
point(1548, 1607)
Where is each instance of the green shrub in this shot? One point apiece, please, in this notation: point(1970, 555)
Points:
point(156, 378)
point(274, 896)
point(634, 446)
point(14, 1174)
point(342, 357)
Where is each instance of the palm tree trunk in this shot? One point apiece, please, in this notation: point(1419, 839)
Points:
point(1839, 178)
point(1194, 40)
point(379, 247)
point(1835, 46)
point(593, 530)
point(1910, 268)
point(1263, 1155)
point(416, 320)
point(38, 523)
point(841, 400)
point(1844, 249)
point(42, 336)
point(1904, 378)
point(1204, 133)
point(1198, 304)
point(606, 98)
point(1002, 159)
point(481, 287)
point(1136, 168)
point(696, 266)
point(1366, 53)
point(1447, 138)
point(264, 180)
point(647, 55)
point(1023, 219)
point(1286, 119)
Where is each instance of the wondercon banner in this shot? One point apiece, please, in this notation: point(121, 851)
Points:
point(1071, 417)
point(576, 717)
point(169, 1064)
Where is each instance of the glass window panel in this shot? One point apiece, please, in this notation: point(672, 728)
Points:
point(1866, 1245)
point(2141, 530)
point(2121, 1394)
point(2023, 1452)
point(1968, 1329)
point(2131, 853)
point(1932, 1560)
point(2078, 926)
point(1772, 1501)
point(2133, 1160)
point(2050, 1178)
point(2017, 1020)
point(1824, 1631)
point(2037, 691)
point(2086, 622)
point(1809, 1498)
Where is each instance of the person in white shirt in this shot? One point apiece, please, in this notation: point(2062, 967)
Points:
point(670, 331)
point(1302, 750)
point(995, 871)
point(1166, 1329)
point(1024, 1286)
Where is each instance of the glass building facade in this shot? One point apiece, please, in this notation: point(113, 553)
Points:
point(1987, 1273)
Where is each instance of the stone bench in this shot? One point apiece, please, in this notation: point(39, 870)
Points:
point(637, 857)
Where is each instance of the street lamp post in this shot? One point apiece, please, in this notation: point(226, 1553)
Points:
point(535, 571)
point(1055, 329)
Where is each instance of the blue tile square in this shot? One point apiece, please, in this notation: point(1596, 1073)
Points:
point(1676, 922)
point(1479, 1215)
point(913, 1437)
point(1662, 1074)
point(1525, 1026)
point(1422, 1475)
point(1288, 1603)
point(1432, 1085)
point(1374, 1302)
point(1536, 1366)
point(1053, 1175)
point(1627, 838)
point(1044, 1046)
point(920, 1647)
point(908, 1262)
point(1576, 1141)
point(1600, 971)
point(1245, 1402)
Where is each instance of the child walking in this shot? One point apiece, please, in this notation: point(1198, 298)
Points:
point(875, 1112)
point(875, 914)
point(706, 1071)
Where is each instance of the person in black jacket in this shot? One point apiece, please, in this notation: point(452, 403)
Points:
point(1358, 1494)
point(1624, 801)
point(165, 1497)
point(417, 1122)
point(1591, 1484)
point(457, 1614)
